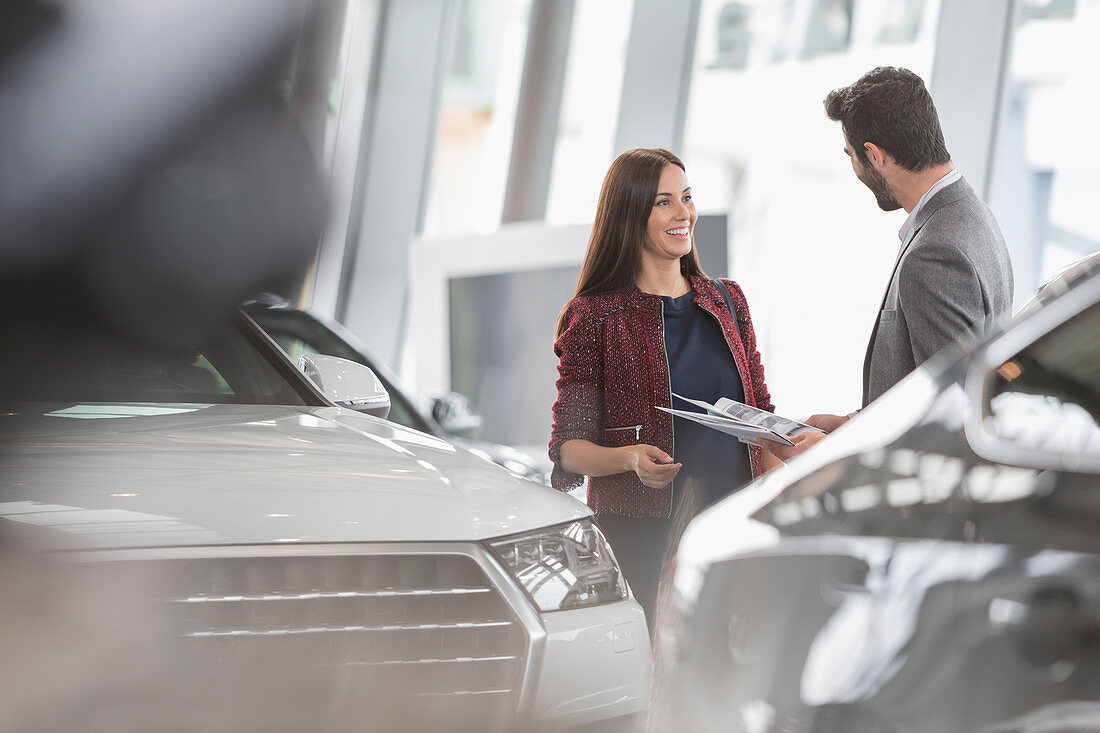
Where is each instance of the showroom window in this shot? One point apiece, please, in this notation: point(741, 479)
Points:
point(829, 28)
point(590, 108)
point(732, 36)
point(1046, 176)
point(758, 146)
point(477, 117)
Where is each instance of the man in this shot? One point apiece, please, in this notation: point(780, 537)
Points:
point(952, 275)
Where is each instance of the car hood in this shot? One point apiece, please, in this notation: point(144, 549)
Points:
point(511, 458)
point(130, 475)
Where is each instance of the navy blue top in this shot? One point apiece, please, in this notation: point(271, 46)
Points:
point(702, 368)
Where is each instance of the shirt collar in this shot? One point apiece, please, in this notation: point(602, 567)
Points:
point(939, 185)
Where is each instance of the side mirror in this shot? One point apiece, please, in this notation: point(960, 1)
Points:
point(452, 411)
point(347, 383)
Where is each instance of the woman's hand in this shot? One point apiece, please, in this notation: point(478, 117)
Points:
point(653, 466)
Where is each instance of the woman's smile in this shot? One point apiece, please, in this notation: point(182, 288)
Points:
point(673, 216)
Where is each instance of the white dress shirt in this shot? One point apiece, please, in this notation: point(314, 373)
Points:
point(947, 180)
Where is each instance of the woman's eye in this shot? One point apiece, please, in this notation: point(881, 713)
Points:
point(688, 197)
point(663, 202)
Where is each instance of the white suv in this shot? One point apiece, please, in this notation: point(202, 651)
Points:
point(216, 544)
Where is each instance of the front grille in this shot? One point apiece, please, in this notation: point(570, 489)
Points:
point(423, 640)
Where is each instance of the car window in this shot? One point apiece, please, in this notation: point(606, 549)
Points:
point(298, 333)
point(1047, 396)
point(234, 366)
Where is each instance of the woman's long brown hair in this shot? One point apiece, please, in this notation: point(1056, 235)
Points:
point(614, 255)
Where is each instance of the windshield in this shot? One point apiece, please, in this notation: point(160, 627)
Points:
point(235, 366)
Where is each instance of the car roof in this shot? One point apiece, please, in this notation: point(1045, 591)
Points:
point(1067, 278)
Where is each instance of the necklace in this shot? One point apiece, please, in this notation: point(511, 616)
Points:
point(681, 290)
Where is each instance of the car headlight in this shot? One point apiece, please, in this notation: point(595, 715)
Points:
point(568, 566)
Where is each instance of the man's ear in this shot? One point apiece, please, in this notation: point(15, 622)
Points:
point(876, 155)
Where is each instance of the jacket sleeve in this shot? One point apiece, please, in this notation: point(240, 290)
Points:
point(940, 294)
point(578, 408)
point(748, 338)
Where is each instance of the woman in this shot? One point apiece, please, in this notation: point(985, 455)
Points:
point(646, 322)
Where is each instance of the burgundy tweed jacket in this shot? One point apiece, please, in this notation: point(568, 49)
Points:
point(613, 371)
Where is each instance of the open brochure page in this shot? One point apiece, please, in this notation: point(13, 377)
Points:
point(743, 431)
point(745, 422)
point(745, 413)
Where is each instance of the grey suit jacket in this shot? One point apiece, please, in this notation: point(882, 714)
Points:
point(952, 277)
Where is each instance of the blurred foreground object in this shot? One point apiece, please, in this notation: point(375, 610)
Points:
point(150, 177)
point(930, 566)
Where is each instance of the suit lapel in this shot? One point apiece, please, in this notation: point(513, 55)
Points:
point(949, 194)
point(878, 316)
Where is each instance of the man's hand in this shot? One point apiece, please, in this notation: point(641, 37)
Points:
point(826, 422)
point(653, 466)
point(802, 443)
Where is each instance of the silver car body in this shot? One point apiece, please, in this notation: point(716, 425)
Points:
point(244, 520)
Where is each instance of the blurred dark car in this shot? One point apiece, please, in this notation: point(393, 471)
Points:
point(932, 566)
point(299, 332)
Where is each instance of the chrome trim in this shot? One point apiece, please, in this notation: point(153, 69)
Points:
point(338, 594)
point(1001, 349)
point(498, 576)
point(359, 402)
point(463, 693)
point(403, 662)
point(346, 629)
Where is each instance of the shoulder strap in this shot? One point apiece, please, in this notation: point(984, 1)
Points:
point(726, 297)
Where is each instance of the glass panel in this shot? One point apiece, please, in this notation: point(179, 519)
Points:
point(1046, 177)
point(732, 36)
point(590, 108)
point(759, 147)
point(901, 20)
point(477, 117)
point(829, 29)
point(1047, 397)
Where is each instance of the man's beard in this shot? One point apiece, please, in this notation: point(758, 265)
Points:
point(873, 180)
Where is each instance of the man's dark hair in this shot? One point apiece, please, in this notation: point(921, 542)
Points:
point(891, 108)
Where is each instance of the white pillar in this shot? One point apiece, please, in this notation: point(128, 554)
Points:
point(969, 73)
point(538, 110)
point(659, 60)
point(394, 170)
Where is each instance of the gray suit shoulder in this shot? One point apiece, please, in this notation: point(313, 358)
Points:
point(959, 220)
point(962, 218)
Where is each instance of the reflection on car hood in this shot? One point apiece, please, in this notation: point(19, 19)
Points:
point(158, 475)
point(511, 458)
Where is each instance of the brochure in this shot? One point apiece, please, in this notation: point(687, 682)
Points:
point(745, 423)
